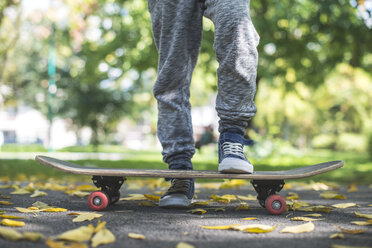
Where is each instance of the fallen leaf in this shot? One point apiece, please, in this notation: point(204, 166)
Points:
point(86, 187)
point(54, 210)
point(200, 203)
point(318, 208)
point(350, 231)
point(25, 210)
point(10, 217)
point(5, 203)
point(154, 198)
point(136, 236)
point(12, 223)
point(254, 228)
point(308, 227)
point(292, 196)
point(197, 211)
point(304, 219)
point(234, 183)
point(220, 209)
point(368, 216)
point(223, 199)
point(242, 206)
point(348, 246)
point(184, 245)
point(249, 218)
point(80, 234)
point(337, 236)
point(134, 197)
point(41, 205)
point(20, 191)
point(219, 227)
point(38, 193)
point(86, 217)
point(100, 226)
point(345, 205)
point(58, 244)
point(33, 236)
point(103, 236)
point(10, 234)
point(80, 194)
point(332, 195)
point(363, 223)
point(247, 198)
point(353, 188)
point(312, 215)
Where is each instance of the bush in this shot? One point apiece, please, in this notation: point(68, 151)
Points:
point(324, 141)
point(352, 142)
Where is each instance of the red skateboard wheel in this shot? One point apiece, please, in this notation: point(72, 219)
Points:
point(98, 200)
point(275, 204)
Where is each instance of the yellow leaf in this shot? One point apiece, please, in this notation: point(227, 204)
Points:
point(200, 203)
point(332, 195)
point(224, 198)
point(86, 187)
point(154, 198)
point(312, 215)
point(21, 191)
point(38, 193)
point(197, 211)
point(33, 208)
point(369, 205)
point(25, 210)
point(134, 197)
point(80, 194)
point(249, 218)
point(353, 188)
point(254, 228)
point(219, 227)
point(304, 219)
point(136, 236)
point(103, 236)
point(55, 244)
point(308, 227)
point(348, 246)
point(362, 223)
point(318, 208)
point(12, 223)
point(5, 203)
point(100, 226)
point(234, 183)
point(344, 205)
point(146, 204)
point(86, 217)
point(40, 205)
point(33, 236)
point(242, 206)
point(10, 234)
point(54, 210)
point(10, 217)
point(211, 185)
point(292, 196)
point(80, 234)
point(368, 216)
point(247, 198)
point(184, 245)
point(350, 231)
point(337, 236)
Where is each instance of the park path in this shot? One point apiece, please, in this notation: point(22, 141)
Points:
point(168, 227)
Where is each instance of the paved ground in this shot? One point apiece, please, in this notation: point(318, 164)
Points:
point(166, 228)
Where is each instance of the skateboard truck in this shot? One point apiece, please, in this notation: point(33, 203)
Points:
point(109, 193)
point(267, 195)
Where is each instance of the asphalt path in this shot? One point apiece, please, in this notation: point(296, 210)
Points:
point(167, 227)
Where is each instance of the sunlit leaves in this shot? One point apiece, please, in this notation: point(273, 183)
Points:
point(103, 236)
point(136, 236)
point(86, 217)
point(345, 205)
point(81, 234)
point(308, 227)
point(12, 223)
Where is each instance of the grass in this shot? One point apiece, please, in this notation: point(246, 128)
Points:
point(358, 167)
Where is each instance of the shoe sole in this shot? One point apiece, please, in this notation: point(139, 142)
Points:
point(175, 201)
point(234, 165)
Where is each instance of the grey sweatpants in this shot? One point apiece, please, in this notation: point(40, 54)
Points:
point(177, 30)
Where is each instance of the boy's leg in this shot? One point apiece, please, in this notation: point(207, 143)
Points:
point(235, 44)
point(177, 28)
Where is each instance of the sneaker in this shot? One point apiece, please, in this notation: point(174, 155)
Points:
point(179, 195)
point(231, 158)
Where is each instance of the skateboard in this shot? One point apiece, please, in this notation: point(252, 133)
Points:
point(266, 183)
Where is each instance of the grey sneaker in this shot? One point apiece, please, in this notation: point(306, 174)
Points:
point(179, 195)
point(231, 158)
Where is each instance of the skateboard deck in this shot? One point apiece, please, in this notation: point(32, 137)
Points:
point(266, 183)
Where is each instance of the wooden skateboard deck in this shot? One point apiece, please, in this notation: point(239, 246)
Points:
point(302, 172)
point(266, 183)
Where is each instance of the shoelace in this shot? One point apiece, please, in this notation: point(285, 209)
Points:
point(180, 185)
point(233, 149)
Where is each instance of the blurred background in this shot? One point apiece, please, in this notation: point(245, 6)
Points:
point(76, 77)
